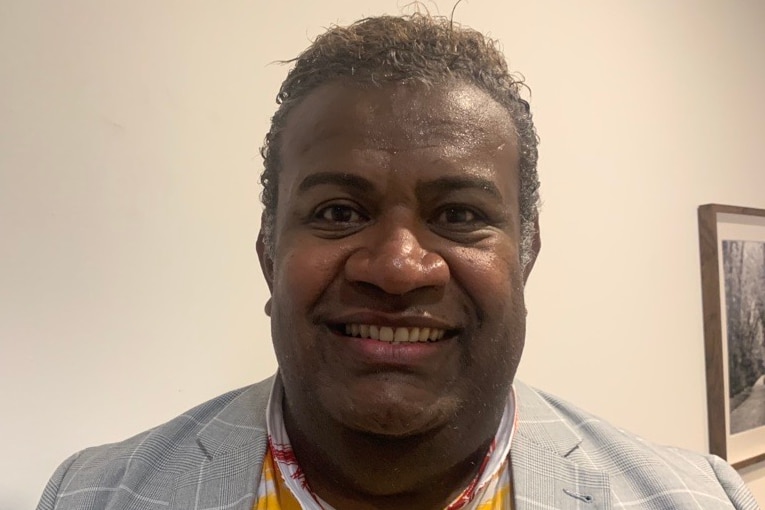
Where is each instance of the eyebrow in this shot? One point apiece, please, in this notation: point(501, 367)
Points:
point(442, 185)
point(448, 184)
point(345, 180)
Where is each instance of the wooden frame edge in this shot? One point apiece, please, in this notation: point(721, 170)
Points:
point(710, 297)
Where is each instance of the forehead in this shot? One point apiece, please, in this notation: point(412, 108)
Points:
point(397, 117)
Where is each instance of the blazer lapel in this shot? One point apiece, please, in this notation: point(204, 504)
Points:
point(544, 474)
point(234, 444)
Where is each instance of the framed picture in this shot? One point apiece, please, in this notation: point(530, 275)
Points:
point(732, 248)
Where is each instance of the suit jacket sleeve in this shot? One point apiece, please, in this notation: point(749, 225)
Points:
point(734, 486)
point(50, 494)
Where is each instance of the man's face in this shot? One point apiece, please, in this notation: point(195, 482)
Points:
point(397, 291)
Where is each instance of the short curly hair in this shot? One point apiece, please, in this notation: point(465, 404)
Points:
point(418, 48)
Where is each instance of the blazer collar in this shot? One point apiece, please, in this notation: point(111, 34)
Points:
point(239, 422)
point(234, 444)
point(546, 473)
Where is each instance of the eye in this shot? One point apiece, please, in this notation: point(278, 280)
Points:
point(339, 213)
point(461, 223)
point(457, 215)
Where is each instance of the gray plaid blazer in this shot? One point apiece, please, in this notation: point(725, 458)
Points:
point(210, 458)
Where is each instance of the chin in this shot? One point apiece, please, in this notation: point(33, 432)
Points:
point(398, 418)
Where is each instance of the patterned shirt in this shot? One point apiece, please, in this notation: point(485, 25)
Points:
point(283, 485)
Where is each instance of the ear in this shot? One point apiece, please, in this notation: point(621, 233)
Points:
point(536, 245)
point(266, 262)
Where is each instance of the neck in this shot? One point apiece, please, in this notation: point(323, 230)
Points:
point(356, 471)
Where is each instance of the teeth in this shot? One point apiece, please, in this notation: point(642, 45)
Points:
point(386, 334)
point(391, 334)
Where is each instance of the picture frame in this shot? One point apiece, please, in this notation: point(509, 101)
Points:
point(732, 251)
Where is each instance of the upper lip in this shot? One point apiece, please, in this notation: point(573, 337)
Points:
point(418, 320)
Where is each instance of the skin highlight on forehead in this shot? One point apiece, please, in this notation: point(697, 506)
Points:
point(399, 117)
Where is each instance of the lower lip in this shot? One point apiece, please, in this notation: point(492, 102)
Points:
point(402, 354)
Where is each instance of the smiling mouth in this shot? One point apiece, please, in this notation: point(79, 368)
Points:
point(393, 334)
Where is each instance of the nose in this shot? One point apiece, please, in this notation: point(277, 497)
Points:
point(394, 260)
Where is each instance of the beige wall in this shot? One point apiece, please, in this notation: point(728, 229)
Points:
point(129, 135)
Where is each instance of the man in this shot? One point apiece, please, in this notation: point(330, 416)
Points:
point(400, 226)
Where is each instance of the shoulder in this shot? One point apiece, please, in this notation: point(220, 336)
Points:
point(636, 468)
point(159, 445)
point(159, 456)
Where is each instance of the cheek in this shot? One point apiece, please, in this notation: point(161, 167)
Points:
point(302, 275)
point(492, 281)
point(491, 276)
point(300, 280)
